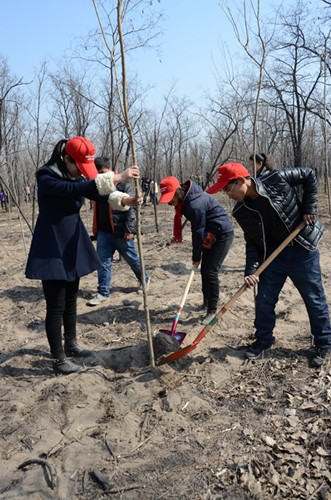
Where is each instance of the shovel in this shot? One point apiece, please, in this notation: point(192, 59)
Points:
point(180, 336)
point(183, 352)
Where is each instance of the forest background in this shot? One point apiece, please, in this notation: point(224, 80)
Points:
point(278, 58)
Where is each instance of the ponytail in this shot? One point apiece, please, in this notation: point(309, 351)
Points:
point(264, 159)
point(57, 157)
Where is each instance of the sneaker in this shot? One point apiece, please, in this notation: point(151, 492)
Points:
point(258, 350)
point(208, 318)
point(321, 355)
point(95, 301)
point(140, 289)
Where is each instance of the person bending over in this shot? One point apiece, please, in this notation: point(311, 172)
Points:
point(212, 233)
point(268, 209)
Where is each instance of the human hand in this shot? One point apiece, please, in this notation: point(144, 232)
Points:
point(128, 201)
point(309, 218)
point(139, 200)
point(196, 264)
point(132, 201)
point(251, 280)
point(128, 236)
point(129, 173)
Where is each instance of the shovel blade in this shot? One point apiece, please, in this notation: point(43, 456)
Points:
point(179, 336)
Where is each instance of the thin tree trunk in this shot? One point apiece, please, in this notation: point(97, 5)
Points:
point(124, 107)
point(325, 134)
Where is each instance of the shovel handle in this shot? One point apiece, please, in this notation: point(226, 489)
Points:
point(182, 302)
point(281, 247)
point(262, 267)
point(259, 271)
point(188, 284)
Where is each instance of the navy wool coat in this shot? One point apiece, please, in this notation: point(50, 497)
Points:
point(61, 248)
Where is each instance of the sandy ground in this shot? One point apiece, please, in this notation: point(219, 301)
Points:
point(211, 427)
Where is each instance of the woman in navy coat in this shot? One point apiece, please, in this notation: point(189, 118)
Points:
point(61, 250)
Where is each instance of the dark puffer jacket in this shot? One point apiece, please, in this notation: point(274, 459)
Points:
point(205, 214)
point(279, 187)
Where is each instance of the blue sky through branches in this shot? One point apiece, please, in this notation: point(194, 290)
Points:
point(190, 47)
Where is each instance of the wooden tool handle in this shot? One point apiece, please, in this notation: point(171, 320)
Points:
point(262, 267)
point(183, 299)
point(281, 247)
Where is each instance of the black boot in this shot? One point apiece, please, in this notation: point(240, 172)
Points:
point(71, 348)
point(202, 307)
point(64, 366)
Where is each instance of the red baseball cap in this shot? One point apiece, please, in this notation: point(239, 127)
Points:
point(168, 187)
point(82, 151)
point(227, 173)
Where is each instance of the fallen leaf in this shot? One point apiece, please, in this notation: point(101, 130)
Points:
point(323, 453)
point(268, 440)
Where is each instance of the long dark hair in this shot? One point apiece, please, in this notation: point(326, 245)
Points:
point(264, 159)
point(57, 157)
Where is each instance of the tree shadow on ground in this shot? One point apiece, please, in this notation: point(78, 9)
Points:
point(23, 293)
point(40, 366)
point(88, 293)
point(176, 268)
point(276, 353)
point(131, 313)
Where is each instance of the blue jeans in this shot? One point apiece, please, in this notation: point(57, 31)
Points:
point(303, 267)
point(107, 244)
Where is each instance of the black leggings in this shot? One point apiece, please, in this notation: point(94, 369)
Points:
point(212, 260)
point(61, 306)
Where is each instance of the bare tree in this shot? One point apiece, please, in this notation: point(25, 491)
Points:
point(134, 159)
point(139, 30)
point(221, 120)
point(122, 8)
point(184, 130)
point(74, 111)
point(293, 77)
point(9, 113)
point(11, 135)
point(325, 127)
point(37, 134)
point(256, 54)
